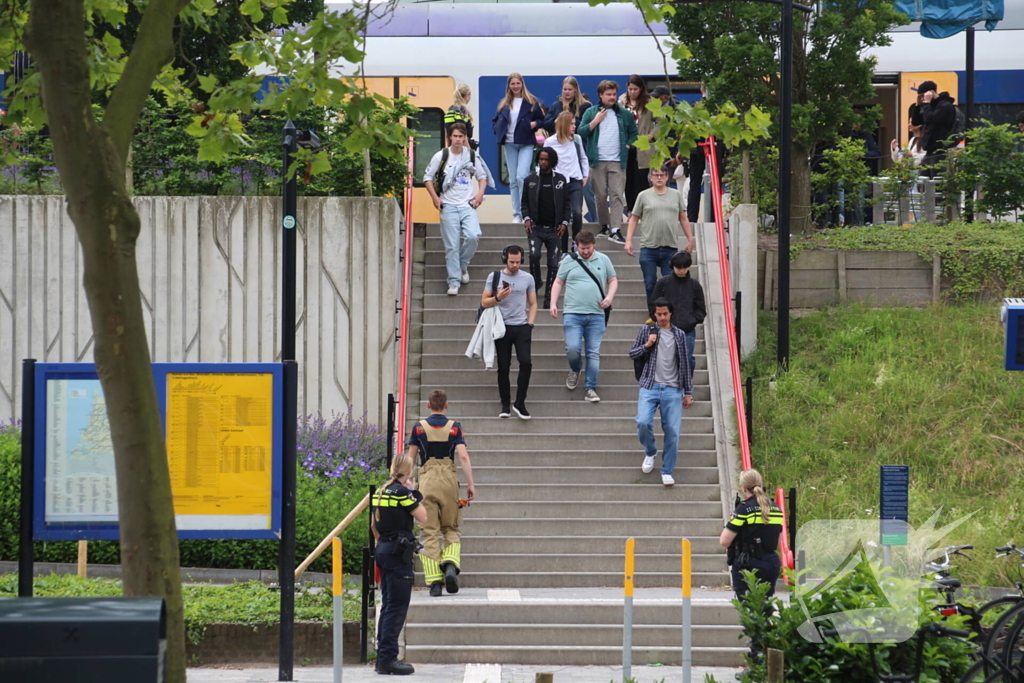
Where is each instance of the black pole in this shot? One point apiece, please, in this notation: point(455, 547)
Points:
point(367, 592)
point(792, 518)
point(749, 409)
point(26, 552)
point(392, 446)
point(738, 314)
point(288, 256)
point(970, 77)
point(785, 163)
point(286, 548)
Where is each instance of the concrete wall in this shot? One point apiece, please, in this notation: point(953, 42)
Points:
point(211, 282)
point(880, 278)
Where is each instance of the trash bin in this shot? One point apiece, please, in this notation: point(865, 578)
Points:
point(82, 640)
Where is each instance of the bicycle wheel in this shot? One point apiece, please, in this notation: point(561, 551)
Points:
point(990, 612)
point(1001, 631)
point(1013, 649)
point(982, 672)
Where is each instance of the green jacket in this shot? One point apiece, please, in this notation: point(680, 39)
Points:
point(627, 134)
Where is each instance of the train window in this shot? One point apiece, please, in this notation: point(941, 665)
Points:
point(997, 113)
point(429, 126)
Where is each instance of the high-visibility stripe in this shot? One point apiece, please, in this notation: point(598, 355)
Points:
point(431, 570)
point(452, 553)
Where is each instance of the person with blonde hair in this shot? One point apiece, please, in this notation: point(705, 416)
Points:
point(752, 535)
point(459, 112)
point(573, 164)
point(394, 507)
point(572, 100)
point(519, 115)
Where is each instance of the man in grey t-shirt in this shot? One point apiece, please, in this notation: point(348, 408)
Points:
point(665, 384)
point(516, 299)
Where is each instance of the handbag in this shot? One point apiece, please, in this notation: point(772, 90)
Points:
point(583, 265)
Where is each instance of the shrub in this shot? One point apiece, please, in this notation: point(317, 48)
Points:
point(321, 502)
point(992, 161)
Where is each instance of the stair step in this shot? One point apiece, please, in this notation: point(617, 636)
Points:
point(596, 493)
point(458, 610)
point(490, 405)
point(570, 656)
point(563, 635)
point(584, 562)
point(612, 377)
point(571, 459)
point(683, 475)
point(493, 241)
point(542, 362)
point(491, 257)
point(612, 543)
point(542, 388)
point(622, 425)
point(562, 579)
point(455, 336)
point(436, 282)
point(633, 509)
point(624, 301)
point(536, 527)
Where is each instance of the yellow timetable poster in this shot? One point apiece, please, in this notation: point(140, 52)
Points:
point(220, 449)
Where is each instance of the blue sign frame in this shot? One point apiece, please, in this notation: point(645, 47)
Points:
point(1012, 315)
point(894, 498)
point(77, 531)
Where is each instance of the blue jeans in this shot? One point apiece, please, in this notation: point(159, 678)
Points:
point(691, 339)
point(518, 160)
point(670, 401)
point(458, 224)
point(650, 260)
point(396, 580)
point(588, 197)
point(585, 328)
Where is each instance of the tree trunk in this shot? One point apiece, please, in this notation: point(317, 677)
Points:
point(92, 170)
point(800, 192)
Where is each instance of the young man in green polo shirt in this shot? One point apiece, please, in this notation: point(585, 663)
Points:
point(660, 212)
point(590, 285)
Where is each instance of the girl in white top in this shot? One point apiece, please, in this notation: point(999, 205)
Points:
point(573, 164)
point(913, 148)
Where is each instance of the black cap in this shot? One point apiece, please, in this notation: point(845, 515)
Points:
point(660, 91)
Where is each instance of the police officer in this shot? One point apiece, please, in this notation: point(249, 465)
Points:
point(394, 507)
point(437, 440)
point(752, 535)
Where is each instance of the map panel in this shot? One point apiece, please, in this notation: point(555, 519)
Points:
point(80, 482)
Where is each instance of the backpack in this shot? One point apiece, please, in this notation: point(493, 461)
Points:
point(959, 124)
point(639, 363)
point(494, 289)
point(439, 176)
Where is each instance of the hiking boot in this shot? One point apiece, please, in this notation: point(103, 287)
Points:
point(435, 589)
point(394, 668)
point(572, 381)
point(592, 396)
point(451, 578)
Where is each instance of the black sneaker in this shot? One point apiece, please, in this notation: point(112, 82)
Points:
point(521, 411)
point(394, 668)
point(617, 237)
point(435, 589)
point(451, 578)
point(505, 412)
point(605, 231)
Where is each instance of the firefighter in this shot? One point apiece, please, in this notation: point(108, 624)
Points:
point(437, 440)
point(752, 535)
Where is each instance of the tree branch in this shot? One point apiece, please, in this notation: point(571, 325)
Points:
point(153, 49)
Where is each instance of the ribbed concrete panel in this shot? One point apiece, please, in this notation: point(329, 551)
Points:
point(209, 272)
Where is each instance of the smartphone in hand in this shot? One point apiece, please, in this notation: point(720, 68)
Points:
point(505, 284)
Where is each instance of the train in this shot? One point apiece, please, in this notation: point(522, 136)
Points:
point(425, 49)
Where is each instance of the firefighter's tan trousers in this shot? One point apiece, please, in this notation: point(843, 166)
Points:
point(439, 484)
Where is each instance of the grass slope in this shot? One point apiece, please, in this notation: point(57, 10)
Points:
point(924, 388)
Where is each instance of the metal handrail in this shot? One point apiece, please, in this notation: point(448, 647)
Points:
point(349, 518)
point(403, 339)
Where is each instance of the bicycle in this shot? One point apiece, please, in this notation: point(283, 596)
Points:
point(1005, 643)
point(919, 635)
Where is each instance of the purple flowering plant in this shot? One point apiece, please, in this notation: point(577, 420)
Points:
point(12, 426)
point(338, 448)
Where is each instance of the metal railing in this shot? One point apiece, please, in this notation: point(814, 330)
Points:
point(403, 327)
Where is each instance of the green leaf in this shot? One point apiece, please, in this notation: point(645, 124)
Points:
point(321, 163)
point(208, 83)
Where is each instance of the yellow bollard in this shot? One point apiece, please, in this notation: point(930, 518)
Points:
point(339, 617)
point(627, 615)
point(686, 586)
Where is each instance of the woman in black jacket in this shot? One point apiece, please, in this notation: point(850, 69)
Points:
point(519, 115)
point(573, 100)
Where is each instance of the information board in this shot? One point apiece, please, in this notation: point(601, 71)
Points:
point(894, 504)
point(223, 429)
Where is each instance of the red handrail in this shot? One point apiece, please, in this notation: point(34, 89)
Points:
point(403, 329)
point(734, 354)
point(730, 315)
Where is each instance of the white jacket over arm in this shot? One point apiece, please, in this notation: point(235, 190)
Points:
point(491, 326)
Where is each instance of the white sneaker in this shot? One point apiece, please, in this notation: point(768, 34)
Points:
point(667, 479)
point(648, 464)
point(453, 290)
point(572, 381)
point(592, 396)
point(465, 277)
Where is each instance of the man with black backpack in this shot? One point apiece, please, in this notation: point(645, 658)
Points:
point(456, 180)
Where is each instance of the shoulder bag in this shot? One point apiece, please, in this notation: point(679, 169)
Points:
point(583, 264)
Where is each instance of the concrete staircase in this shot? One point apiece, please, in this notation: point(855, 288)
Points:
point(557, 496)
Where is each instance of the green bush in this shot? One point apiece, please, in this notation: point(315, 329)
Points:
point(319, 508)
point(773, 623)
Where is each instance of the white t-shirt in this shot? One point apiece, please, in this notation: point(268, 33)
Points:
point(461, 180)
point(513, 118)
point(609, 147)
point(572, 164)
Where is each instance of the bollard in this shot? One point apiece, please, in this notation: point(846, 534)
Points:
point(627, 615)
point(339, 617)
point(687, 575)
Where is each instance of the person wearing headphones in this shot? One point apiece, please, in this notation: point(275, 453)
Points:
point(514, 292)
point(394, 507)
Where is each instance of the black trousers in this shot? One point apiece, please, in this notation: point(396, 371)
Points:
point(519, 336)
point(636, 179)
point(767, 569)
point(539, 238)
point(693, 197)
point(396, 579)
